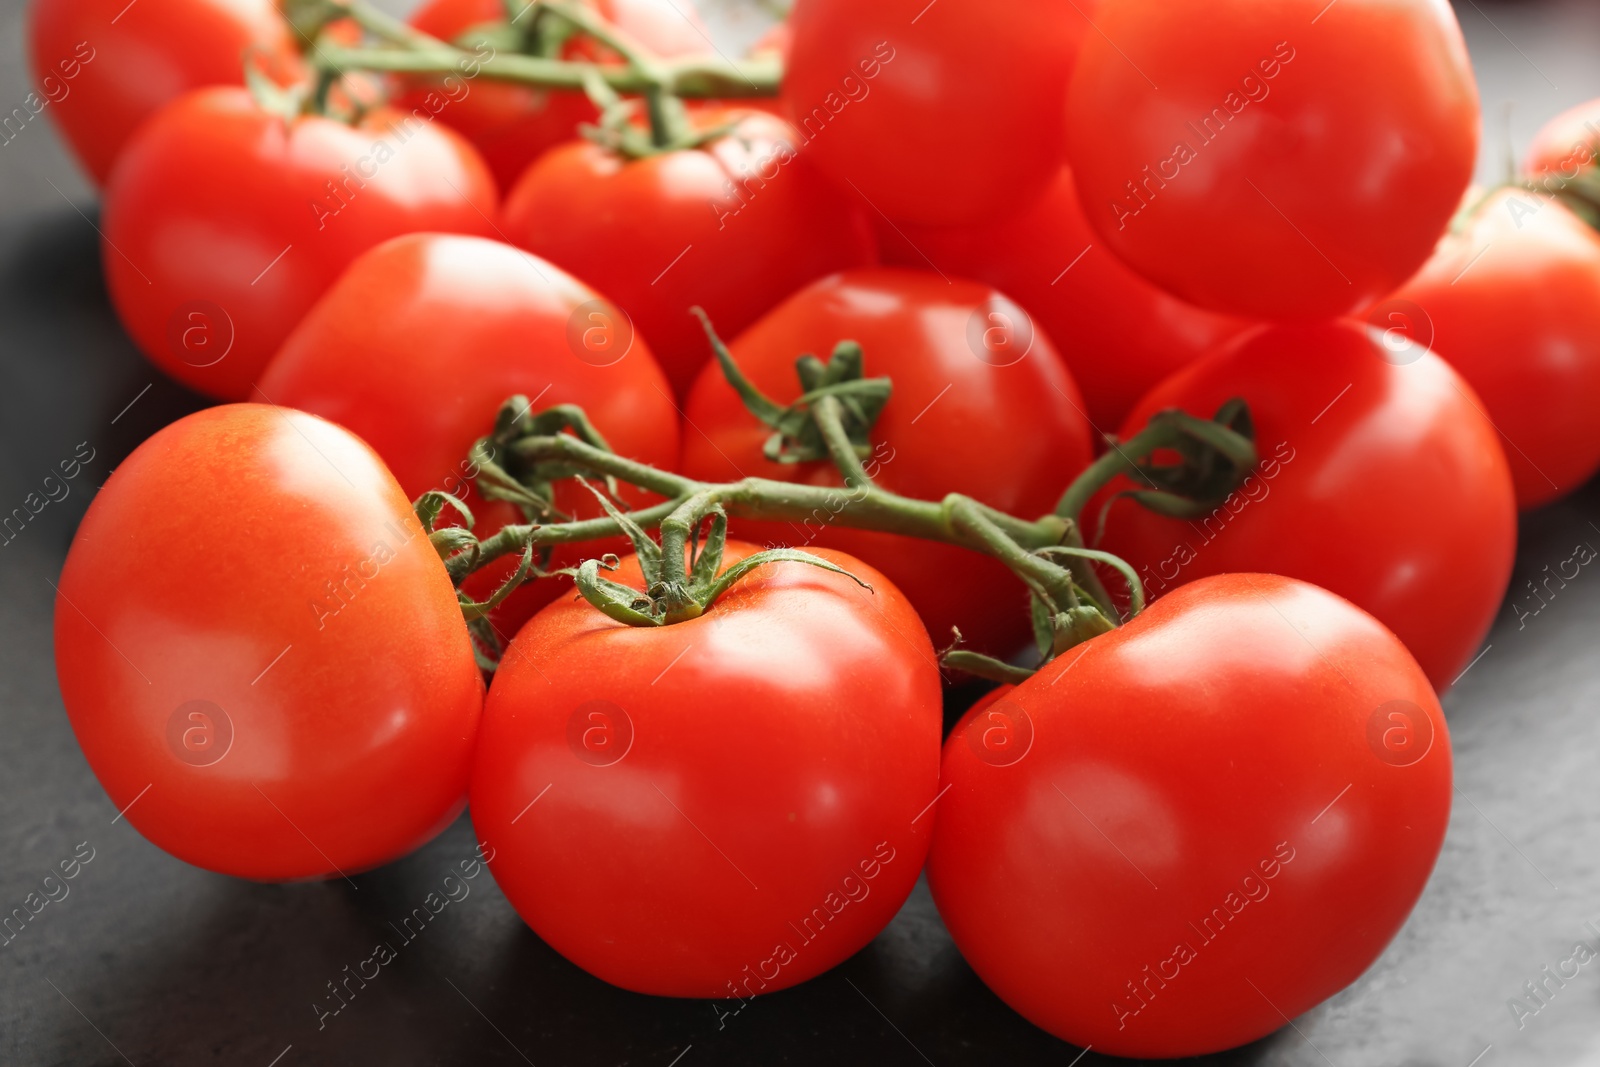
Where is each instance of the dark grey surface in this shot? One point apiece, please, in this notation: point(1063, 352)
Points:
point(148, 961)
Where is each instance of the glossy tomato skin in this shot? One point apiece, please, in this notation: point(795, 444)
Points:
point(261, 654)
point(726, 806)
point(1380, 481)
point(209, 276)
point(964, 119)
point(103, 66)
point(1334, 155)
point(963, 418)
point(511, 124)
point(417, 345)
point(1247, 786)
point(734, 227)
point(1118, 333)
point(1565, 144)
point(1512, 301)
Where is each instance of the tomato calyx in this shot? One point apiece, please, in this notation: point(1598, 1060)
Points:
point(1213, 457)
point(798, 435)
point(1578, 193)
point(683, 576)
point(500, 473)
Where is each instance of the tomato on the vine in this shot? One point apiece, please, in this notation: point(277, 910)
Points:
point(104, 66)
point(1379, 479)
point(261, 652)
point(719, 807)
point(512, 124)
point(1119, 334)
point(417, 345)
point(1287, 160)
point(1565, 144)
point(1181, 834)
point(982, 405)
point(733, 226)
point(225, 221)
point(1511, 299)
point(939, 114)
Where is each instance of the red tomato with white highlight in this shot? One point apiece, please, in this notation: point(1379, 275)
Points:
point(945, 113)
point(1512, 300)
point(1379, 479)
point(719, 807)
point(1293, 160)
point(261, 652)
point(224, 222)
point(733, 226)
point(1185, 832)
point(418, 344)
point(104, 66)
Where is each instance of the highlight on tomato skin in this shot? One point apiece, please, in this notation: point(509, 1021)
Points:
point(1197, 826)
point(1380, 480)
point(722, 807)
point(261, 654)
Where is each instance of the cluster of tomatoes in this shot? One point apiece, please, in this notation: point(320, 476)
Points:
point(1044, 224)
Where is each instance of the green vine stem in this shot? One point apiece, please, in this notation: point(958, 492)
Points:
point(831, 421)
point(407, 50)
point(1046, 553)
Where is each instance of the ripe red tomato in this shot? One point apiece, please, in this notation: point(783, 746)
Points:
point(968, 370)
point(1119, 334)
point(104, 66)
point(1182, 833)
point(1380, 480)
point(1291, 160)
point(210, 276)
point(417, 345)
point(964, 119)
point(719, 807)
point(512, 124)
point(1566, 143)
point(1512, 301)
point(734, 226)
point(261, 653)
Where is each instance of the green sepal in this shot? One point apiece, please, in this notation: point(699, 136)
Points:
point(706, 560)
point(453, 540)
point(430, 505)
point(1214, 456)
point(1129, 576)
point(648, 551)
point(477, 609)
point(980, 666)
point(618, 601)
point(1042, 619)
point(726, 580)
